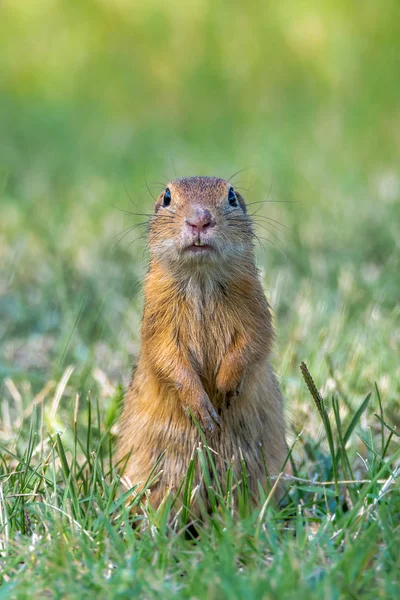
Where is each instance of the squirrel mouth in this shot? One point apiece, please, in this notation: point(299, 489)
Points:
point(199, 247)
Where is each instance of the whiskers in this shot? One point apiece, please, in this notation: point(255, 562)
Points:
point(150, 219)
point(125, 232)
point(247, 226)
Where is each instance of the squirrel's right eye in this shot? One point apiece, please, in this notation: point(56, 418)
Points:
point(167, 197)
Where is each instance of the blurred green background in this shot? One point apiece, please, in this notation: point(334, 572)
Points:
point(101, 99)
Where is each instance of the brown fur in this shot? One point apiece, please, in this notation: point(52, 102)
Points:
point(206, 344)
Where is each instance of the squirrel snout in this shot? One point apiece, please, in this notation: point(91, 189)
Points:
point(200, 221)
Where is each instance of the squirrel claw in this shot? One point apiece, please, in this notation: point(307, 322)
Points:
point(210, 420)
point(205, 414)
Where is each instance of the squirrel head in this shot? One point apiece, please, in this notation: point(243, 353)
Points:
point(201, 223)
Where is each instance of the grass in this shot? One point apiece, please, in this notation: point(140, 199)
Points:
point(67, 528)
point(99, 102)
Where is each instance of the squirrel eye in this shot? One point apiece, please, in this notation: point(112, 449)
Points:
point(167, 197)
point(232, 198)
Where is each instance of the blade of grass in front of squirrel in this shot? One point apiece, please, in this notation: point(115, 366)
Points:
point(187, 493)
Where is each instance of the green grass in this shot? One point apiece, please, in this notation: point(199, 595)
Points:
point(100, 101)
point(67, 528)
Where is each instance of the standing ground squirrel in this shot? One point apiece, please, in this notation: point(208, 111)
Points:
point(206, 343)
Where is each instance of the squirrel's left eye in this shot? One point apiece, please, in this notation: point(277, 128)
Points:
point(232, 198)
point(167, 197)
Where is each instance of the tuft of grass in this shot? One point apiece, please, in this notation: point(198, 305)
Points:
point(68, 523)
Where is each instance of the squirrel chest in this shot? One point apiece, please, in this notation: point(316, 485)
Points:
point(203, 322)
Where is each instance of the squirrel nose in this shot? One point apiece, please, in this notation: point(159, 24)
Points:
point(200, 221)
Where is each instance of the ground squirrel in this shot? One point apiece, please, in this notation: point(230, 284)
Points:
point(205, 344)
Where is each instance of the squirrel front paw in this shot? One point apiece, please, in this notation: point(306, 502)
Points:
point(204, 413)
point(229, 387)
point(232, 395)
